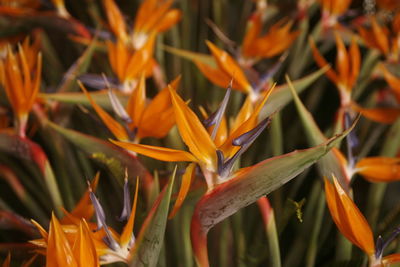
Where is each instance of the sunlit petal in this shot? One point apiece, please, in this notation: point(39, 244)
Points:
point(230, 67)
point(348, 217)
point(117, 129)
point(158, 117)
point(115, 19)
point(160, 153)
point(193, 132)
point(84, 248)
point(393, 81)
point(217, 76)
point(379, 169)
point(380, 36)
point(382, 115)
point(169, 20)
point(127, 233)
point(390, 259)
point(322, 62)
point(59, 252)
point(136, 103)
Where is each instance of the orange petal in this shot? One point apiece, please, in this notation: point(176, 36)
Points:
point(157, 126)
point(390, 259)
point(230, 67)
point(342, 62)
point(338, 6)
point(380, 35)
point(217, 76)
point(169, 20)
point(13, 83)
point(355, 58)
point(227, 147)
point(127, 233)
point(396, 22)
point(61, 10)
point(160, 153)
point(351, 223)
point(322, 62)
point(337, 211)
point(117, 129)
point(222, 132)
point(115, 19)
point(193, 132)
point(382, 115)
point(25, 71)
point(278, 39)
point(84, 248)
point(253, 31)
point(244, 113)
point(59, 252)
point(150, 23)
point(368, 37)
point(137, 102)
point(140, 59)
point(379, 169)
point(185, 185)
point(158, 117)
point(143, 12)
point(41, 230)
point(393, 81)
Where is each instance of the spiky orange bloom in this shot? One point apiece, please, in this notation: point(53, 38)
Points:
point(275, 41)
point(345, 77)
point(381, 38)
point(225, 71)
point(201, 144)
point(347, 66)
point(74, 242)
point(212, 149)
point(128, 64)
point(21, 83)
point(153, 119)
point(348, 218)
point(161, 19)
point(353, 225)
point(71, 242)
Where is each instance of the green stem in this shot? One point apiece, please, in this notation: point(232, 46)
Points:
point(273, 242)
point(313, 245)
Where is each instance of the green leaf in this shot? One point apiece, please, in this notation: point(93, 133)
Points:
point(281, 95)
point(192, 56)
point(247, 186)
point(26, 149)
point(101, 98)
point(151, 237)
point(258, 180)
point(331, 163)
point(105, 153)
